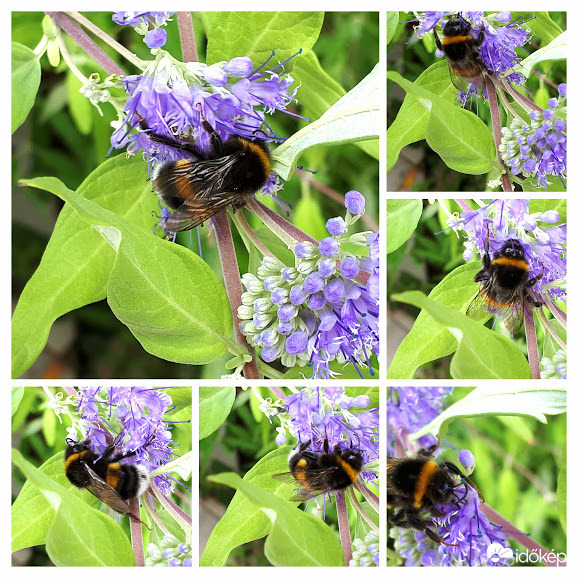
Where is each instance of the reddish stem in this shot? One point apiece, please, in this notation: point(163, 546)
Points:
point(233, 285)
point(83, 40)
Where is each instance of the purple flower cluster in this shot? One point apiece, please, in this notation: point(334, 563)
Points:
point(134, 415)
point(146, 23)
point(169, 553)
point(317, 311)
point(174, 98)
point(537, 150)
point(544, 246)
point(320, 413)
point(411, 408)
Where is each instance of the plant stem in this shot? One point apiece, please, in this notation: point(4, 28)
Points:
point(187, 34)
point(233, 285)
point(332, 194)
point(62, 20)
point(125, 53)
point(343, 522)
point(497, 128)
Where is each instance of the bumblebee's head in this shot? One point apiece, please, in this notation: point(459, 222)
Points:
point(513, 249)
point(456, 26)
point(76, 447)
point(445, 479)
point(353, 458)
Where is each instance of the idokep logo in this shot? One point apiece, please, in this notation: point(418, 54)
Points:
point(547, 558)
point(497, 552)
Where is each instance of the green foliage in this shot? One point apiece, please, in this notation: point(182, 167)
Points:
point(402, 219)
point(214, 406)
point(480, 353)
point(295, 538)
point(25, 82)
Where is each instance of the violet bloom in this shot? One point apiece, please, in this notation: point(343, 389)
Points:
point(411, 408)
point(538, 150)
point(324, 313)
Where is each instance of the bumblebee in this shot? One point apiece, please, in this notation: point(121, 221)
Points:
point(418, 485)
point(504, 285)
point(198, 188)
point(320, 473)
point(462, 52)
point(103, 475)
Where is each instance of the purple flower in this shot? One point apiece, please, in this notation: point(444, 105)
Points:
point(336, 311)
point(156, 38)
point(409, 409)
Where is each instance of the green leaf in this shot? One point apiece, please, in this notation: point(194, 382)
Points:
point(17, 395)
point(503, 399)
point(75, 533)
point(458, 136)
point(428, 340)
point(243, 522)
point(215, 404)
point(296, 538)
point(402, 219)
point(481, 353)
point(77, 261)
point(257, 34)
point(318, 91)
point(541, 24)
point(166, 295)
point(25, 82)
point(354, 117)
point(182, 466)
point(391, 25)
point(555, 50)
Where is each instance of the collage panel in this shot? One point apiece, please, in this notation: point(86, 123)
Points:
point(476, 289)
point(476, 101)
point(289, 476)
point(203, 199)
point(102, 476)
point(476, 476)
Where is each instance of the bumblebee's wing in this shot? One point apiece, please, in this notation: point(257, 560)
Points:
point(195, 190)
point(459, 82)
point(510, 308)
point(106, 493)
point(478, 308)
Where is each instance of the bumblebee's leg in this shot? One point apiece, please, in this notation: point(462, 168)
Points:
point(417, 524)
point(411, 522)
point(216, 142)
point(481, 37)
point(537, 278)
point(186, 147)
point(437, 39)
